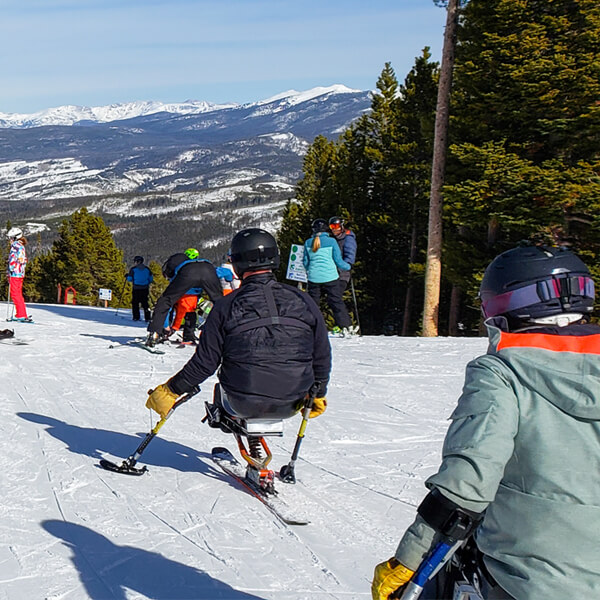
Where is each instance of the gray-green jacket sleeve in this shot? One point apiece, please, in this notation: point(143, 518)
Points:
point(479, 443)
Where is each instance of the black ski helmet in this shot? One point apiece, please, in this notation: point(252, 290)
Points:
point(138, 259)
point(530, 282)
point(319, 226)
point(253, 250)
point(337, 221)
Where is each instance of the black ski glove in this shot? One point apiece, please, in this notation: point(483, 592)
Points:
point(319, 389)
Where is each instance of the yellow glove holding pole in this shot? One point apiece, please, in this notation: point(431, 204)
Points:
point(388, 577)
point(161, 399)
point(318, 407)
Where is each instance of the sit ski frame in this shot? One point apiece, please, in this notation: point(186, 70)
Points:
point(256, 470)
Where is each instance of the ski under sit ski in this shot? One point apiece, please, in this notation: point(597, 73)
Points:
point(279, 507)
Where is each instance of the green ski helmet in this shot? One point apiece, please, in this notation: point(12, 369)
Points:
point(192, 253)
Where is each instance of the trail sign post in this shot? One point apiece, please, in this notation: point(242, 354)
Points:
point(296, 270)
point(105, 295)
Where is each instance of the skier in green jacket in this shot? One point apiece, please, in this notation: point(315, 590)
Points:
point(521, 459)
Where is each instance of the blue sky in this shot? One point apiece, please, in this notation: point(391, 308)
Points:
point(97, 52)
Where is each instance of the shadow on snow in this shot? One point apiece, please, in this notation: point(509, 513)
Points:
point(118, 341)
point(109, 316)
point(100, 443)
point(108, 570)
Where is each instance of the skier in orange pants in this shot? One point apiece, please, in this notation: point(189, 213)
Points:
point(185, 314)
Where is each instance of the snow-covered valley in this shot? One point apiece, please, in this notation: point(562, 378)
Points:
point(148, 168)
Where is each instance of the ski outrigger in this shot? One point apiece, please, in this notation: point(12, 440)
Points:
point(127, 467)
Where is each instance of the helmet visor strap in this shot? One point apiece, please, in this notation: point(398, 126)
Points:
point(542, 291)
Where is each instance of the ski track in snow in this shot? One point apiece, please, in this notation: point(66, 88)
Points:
point(71, 530)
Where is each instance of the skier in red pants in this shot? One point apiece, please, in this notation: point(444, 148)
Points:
point(17, 261)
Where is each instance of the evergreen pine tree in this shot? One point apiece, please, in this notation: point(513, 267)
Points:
point(383, 178)
point(525, 159)
point(83, 256)
point(417, 116)
point(376, 177)
point(315, 197)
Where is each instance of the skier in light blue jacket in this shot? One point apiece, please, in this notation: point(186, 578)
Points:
point(521, 459)
point(322, 259)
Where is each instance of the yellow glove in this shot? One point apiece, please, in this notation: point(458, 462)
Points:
point(388, 577)
point(318, 407)
point(161, 399)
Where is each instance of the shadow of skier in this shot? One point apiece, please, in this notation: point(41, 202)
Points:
point(108, 570)
point(113, 445)
point(100, 443)
point(115, 340)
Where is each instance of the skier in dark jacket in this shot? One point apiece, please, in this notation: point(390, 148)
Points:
point(140, 278)
point(520, 459)
point(186, 276)
point(268, 340)
point(323, 260)
point(347, 243)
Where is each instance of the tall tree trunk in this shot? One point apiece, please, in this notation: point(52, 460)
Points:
point(433, 272)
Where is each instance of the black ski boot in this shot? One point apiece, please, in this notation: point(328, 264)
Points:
point(156, 338)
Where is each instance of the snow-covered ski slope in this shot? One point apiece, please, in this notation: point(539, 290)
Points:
point(70, 530)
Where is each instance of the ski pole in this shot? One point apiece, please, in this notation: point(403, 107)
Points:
point(436, 559)
point(287, 471)
point(8, 299)
point(355, 303)
point(128, 465)
point(10, 305)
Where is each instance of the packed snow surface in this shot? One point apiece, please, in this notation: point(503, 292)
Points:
point(72, 530)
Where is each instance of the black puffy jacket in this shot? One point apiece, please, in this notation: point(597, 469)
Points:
point(194, 274)
point(270, 341)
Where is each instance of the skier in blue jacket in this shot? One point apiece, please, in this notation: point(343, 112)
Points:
point(322, 259)
point(140, 278)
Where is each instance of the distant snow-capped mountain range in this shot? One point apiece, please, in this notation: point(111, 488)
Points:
point(159, 174)
point(71, 115)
